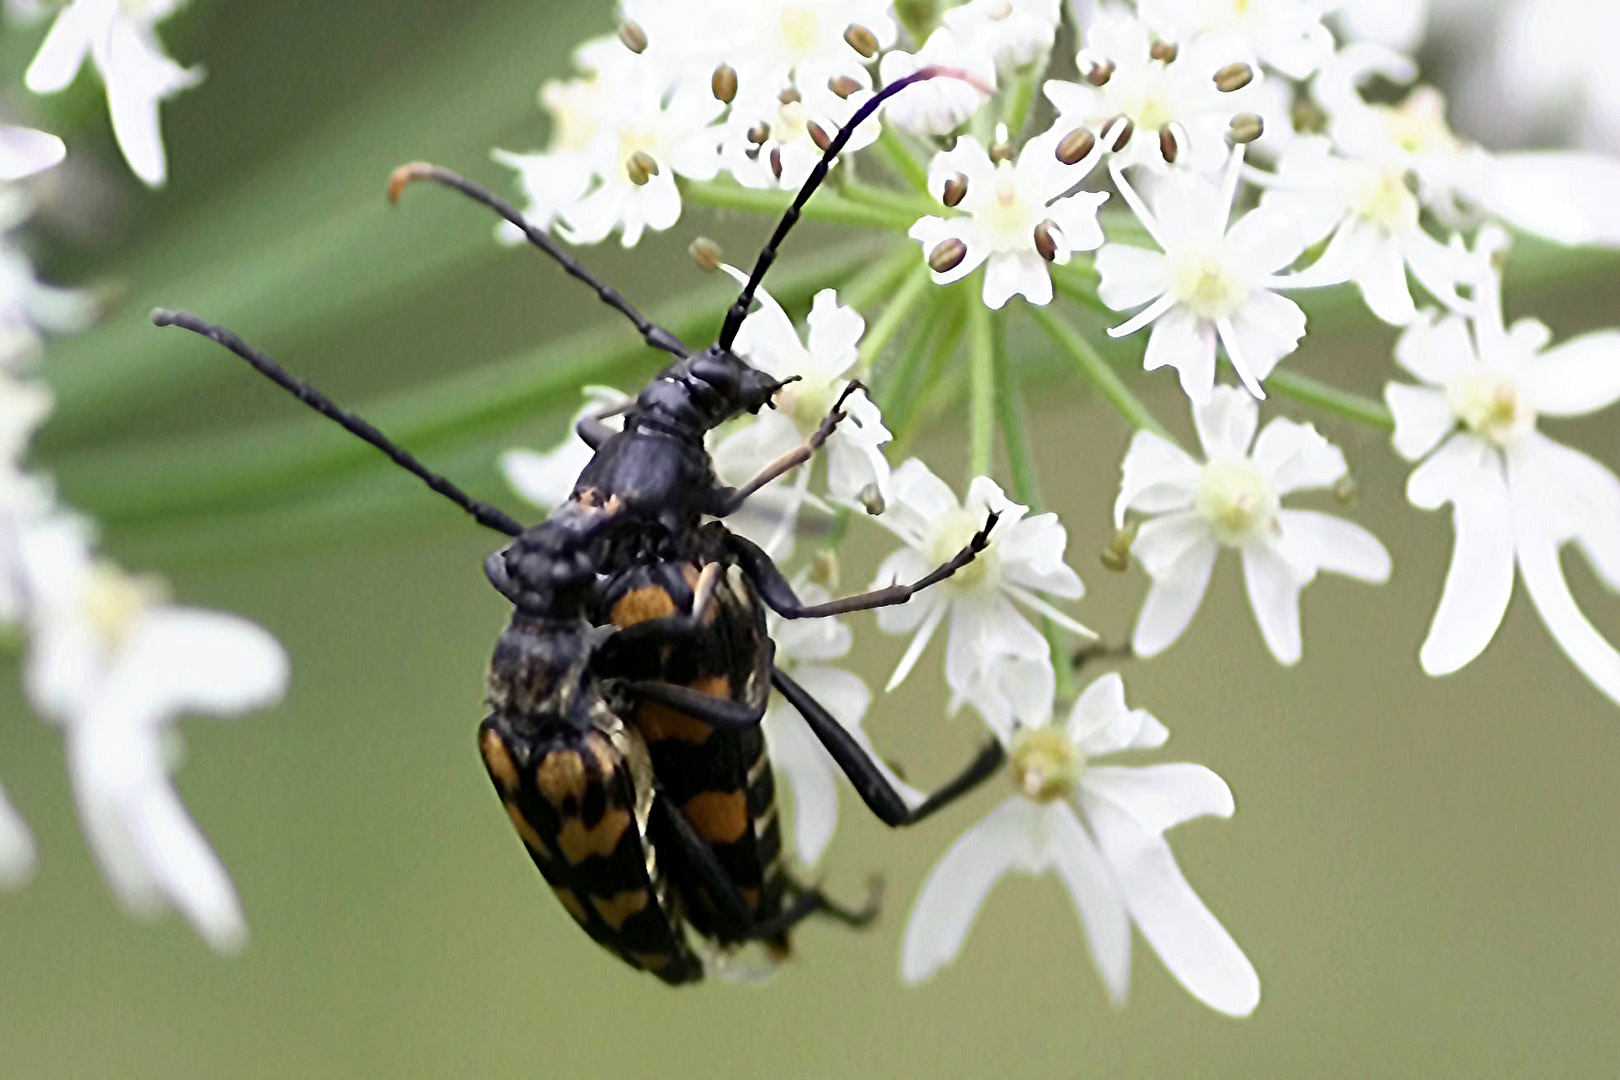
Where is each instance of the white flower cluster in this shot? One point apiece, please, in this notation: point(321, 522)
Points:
point(1248, 163)
point(109, 661)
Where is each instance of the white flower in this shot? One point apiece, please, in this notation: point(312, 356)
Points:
point(115, 667)
point(1100, 829)
point(768, 41)
point(788, 151)
point(1285, 34)
point(938, 106)
point(1023, 561)
point(25, 152)
point(1211, 282)
point(643, 134)
point(1179, 97)
point(805, 649)
point(1016, 33)
point(1234, 499)
point(821, 364)
point(1009, 212)
point(1008, 691)
point(1516, 495)
point(119, 38)
point(1555, 58)
point(29, 308)
point(546, 479)
point(1373, 219)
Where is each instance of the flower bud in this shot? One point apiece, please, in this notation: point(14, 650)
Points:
point(871, 500)
point(1117, 555)
point(706, 253)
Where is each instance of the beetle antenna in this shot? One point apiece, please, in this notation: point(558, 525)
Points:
point(739, 310)
point(651, 332)
point(486, 515)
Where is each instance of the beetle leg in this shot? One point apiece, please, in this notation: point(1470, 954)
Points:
point(714, 711)
point(728, 500)
point(705, 866)
point(773, 587)
point(870, 783)
point(853, 917)
point(590, 428)
point(668, 629)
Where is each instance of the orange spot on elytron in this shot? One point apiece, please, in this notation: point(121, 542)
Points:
point(649, 961)
point(616, 909)
point(721, 816)
point(561, 775)
point(498, 760)
point(571, 902)
point(640, 605)
point(527, 831)
point(579, 843)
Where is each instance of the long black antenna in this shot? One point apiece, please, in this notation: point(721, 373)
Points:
point(739, 310)
point(486, 515)
point(655, 335)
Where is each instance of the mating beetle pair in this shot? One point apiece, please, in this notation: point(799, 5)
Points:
point(627, 690)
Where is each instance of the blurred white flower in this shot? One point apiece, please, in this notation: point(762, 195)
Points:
point(18, 856)
point(642, 135)
point(1373, 219)
point(115, 667)
point(25, 152)
point(1211, 282)
point(1023, 563)
point(1013, 217)
point(1285, 34)
point(1015, 33)
point(1173, 102)
point(1516, 495)
point(821, 364)
point(938, 106)
point(768, 140)
point(546, 478)
point(119, 37)
point(769, 41)
point(1007, 691)
point(1233, 499)
point(30, 308)
point(806, 649)
point(1100, 829)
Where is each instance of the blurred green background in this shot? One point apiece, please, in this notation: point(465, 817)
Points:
point(1425, 872)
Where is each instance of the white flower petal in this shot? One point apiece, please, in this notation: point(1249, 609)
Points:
point(933, 616)
point(1157, 477)
point(1011, 274)
point(1031, 552)
point(1160, 797)
point(1273, 585)
point(1382, 279)
point(1295, 457)
point(1100, 723)
point(1437, 352)
point(1185, 342)
point(1194, 946)
point(1266, 328)
point(1336, 545)
point(906, 564)
point(800, 760)
point(1226, 423)
point(63, 52)
point(986, 628)
point(18, 856)
point(1578, 377)
point(139, 77)
point(956, 888)
point(187, 870)
point(189, 660)
point(1575, 498)
point(25, 152)
point(1130, 276)
point(1173, 600)
point(1423, 417)
point(1564, 196)
point(1090, 883)
point(1479, 582)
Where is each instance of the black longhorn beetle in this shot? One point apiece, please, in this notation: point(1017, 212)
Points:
point(574, 663)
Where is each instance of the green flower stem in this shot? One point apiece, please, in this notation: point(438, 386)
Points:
point(882, 331)
point(895, 380)
point(1025, 484)
point(1097, 370)
point(1018, 104)
point(981, 390)
point(207, 474)
point(1314, 392)
point(1077, 279)
point(826, 206)
point(899, 202)
point(880, 277)
point(905, 411)
point(898, 154)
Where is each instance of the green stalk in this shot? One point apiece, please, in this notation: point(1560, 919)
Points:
point(826, 206)
point(897, 377)
point(879, 276)
point(1078, 280)
point(981, 389)
point(897, 201)
point(1351, 406)
point(882, 331)
point(1023, 96)
point(1091, 364)
point(907, 411)
point(898, 154)
point(1026, 486)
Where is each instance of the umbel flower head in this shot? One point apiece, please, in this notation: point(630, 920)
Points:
point(1100, 829)
point(1517, 496)
point(1233, 499)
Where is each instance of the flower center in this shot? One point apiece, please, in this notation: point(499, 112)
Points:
point(807, 402)
point(1418, 125)
point(1208, 284)
point(1491, 407)
point(1382, 197)
point(113, 599)
point(949, 535)
point(1005, 219)
point(800, 28)
point(633, 141)
point(1237, 502)
point(789, 122)
point(1045, 765)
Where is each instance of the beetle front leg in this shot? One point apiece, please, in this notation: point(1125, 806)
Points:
point(727, 501)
